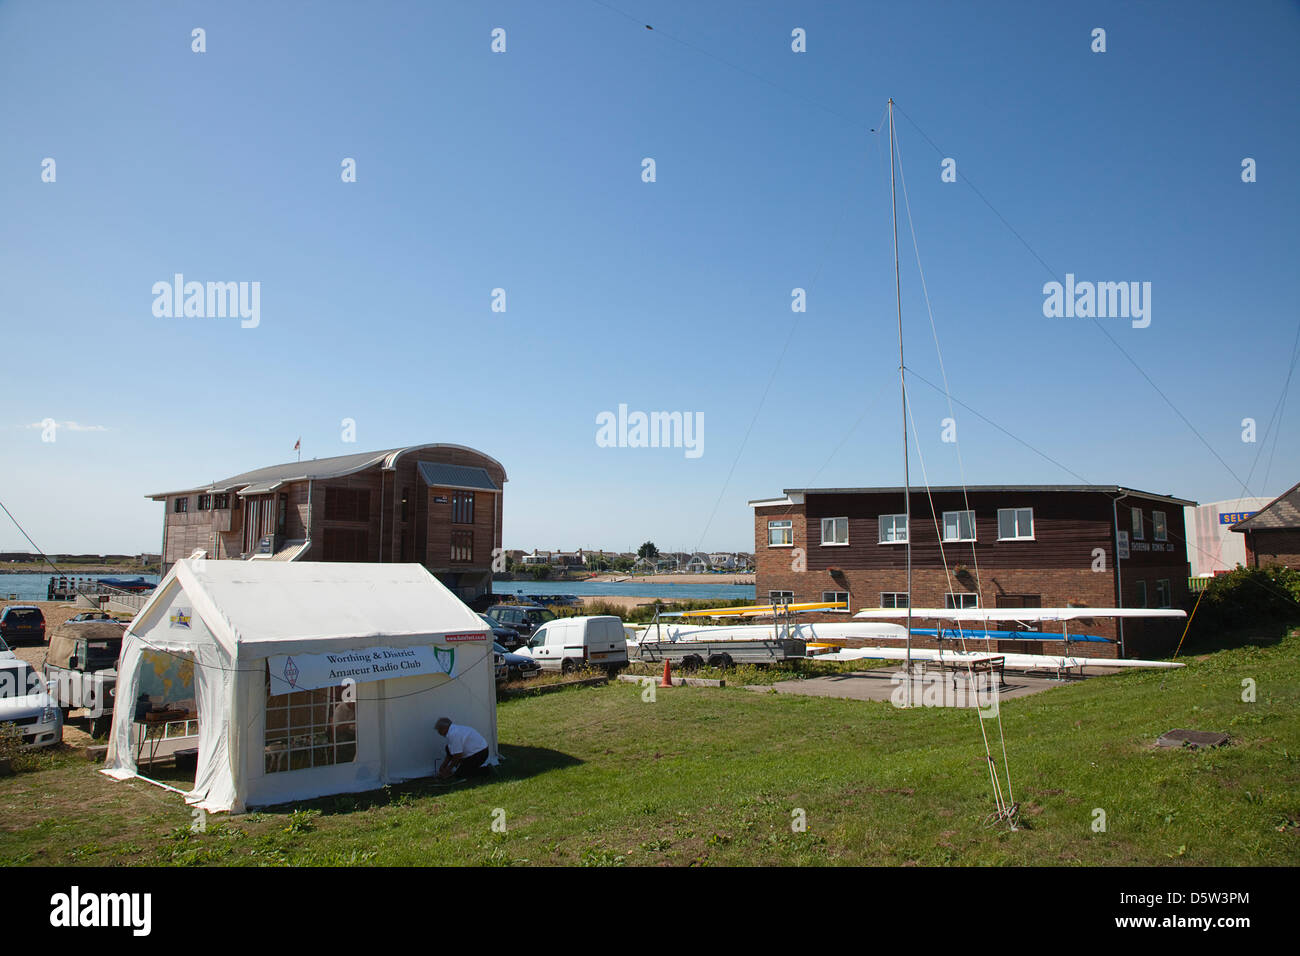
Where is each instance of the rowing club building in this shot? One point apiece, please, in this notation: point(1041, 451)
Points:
point(436, 505)
point(1006, 546)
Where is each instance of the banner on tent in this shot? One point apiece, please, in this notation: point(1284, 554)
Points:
point(291, 672)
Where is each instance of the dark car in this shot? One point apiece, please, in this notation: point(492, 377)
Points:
point(22, 623)
point(518, 666)
point(508, 637)
point(521, 618)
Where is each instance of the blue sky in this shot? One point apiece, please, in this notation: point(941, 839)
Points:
point(522, 170)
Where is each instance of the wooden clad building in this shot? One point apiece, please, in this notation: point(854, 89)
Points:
point(1273, 533)
point(437, 505)
point(1005, 546)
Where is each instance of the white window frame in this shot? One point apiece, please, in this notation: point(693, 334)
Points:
point(1016, 520)
point(780, 524)
point(304, 738)
point(970, 512)
point(772, 596)
point(834, 596)
point(951, 602)
point(893, 524)
point(1169, 592)
point(894, 595)
point(833, 522)
point(1159, 528)
point(1138, 531)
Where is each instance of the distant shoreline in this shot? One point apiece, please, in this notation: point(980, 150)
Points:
point(78, 570)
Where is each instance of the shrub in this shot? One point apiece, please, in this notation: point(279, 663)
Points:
point(1249, 597)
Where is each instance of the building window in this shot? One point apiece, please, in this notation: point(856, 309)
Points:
point(780, 534)
point(462, 546)
point(1137, 524)
point(205, 502)
point(221, 502)
point(959, 526)
point(893, 599)
point(1141, 594)
point(837, 596)
point(780, 597)
point(347, 504)
point(958, 601)
point(835, 530)
point(309, 728)
point(1015, 524)
point(180, 506)
point(893, 529)
point(462, 507)
point(1163, 595)
point(1159, 530)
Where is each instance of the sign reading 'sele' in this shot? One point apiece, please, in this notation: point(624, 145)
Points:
point(1232, 517)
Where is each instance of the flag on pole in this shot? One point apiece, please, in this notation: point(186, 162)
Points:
point(297, 446)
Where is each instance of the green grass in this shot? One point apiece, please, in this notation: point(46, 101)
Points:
point(599, 777)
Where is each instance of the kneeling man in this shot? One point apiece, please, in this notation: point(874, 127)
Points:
point(466, 750)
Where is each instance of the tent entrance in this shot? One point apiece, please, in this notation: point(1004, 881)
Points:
point(165, 727)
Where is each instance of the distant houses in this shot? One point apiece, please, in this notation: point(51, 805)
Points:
point(665, 562)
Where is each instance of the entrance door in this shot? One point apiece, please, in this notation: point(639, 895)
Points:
point(1013, 601)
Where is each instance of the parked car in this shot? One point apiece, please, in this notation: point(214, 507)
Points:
point(523, 618)
point(507, 637)
point(5, 653)
point(566, 644)
point(518, 666)
point(22, 622)
point(25, 703)
point(81, 664)
point(499, 669)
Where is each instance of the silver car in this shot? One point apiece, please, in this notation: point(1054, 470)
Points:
point(26, 703)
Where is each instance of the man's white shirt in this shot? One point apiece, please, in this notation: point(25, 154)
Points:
point(464, 741)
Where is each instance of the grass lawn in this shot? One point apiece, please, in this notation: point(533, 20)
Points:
point(712, 777)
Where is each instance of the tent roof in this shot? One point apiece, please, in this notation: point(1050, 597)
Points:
point(261, 608)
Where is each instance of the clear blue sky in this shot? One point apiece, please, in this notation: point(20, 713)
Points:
point(522, 171)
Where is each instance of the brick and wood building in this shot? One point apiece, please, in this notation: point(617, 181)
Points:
point(1273, 533)
point(1005, 546)
point(436, 505)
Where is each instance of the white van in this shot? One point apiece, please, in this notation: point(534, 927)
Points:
point(569, 643)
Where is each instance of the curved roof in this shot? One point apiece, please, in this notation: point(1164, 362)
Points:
point(316, 469)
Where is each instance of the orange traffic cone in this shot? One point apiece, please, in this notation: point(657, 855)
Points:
point(668, 680)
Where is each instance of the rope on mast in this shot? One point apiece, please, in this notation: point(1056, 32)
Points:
point(1005, 807)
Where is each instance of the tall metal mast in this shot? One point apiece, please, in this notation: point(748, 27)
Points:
point(902, 382)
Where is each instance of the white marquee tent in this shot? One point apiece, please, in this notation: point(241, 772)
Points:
point(309, 678)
